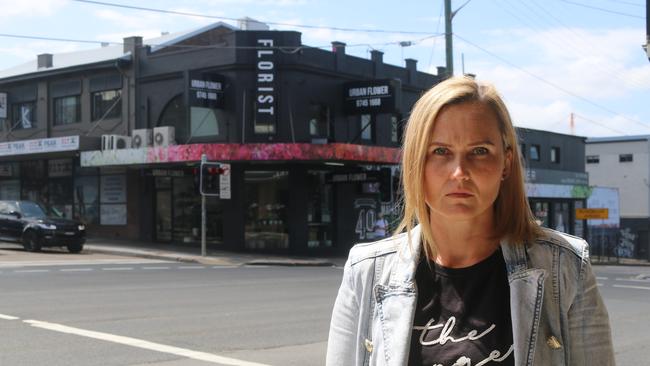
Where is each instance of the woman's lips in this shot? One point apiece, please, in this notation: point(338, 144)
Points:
point(459, 195)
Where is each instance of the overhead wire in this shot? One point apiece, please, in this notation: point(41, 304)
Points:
point(602, 9)
point(549, 83)
point(183, 13)
point(627, 3)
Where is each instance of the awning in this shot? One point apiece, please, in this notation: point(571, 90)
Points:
point(335, 152)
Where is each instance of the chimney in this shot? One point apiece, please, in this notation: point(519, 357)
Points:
point(338, 47)
point(44, 61)
point(442, 71)
point(377, 56)
point(411, 67)
point(132, 43)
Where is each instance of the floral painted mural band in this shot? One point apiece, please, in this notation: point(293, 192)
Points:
point(243, 152)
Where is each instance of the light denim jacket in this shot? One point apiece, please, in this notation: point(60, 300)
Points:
point(558, 316)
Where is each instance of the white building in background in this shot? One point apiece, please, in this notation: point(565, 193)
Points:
point(623, 162)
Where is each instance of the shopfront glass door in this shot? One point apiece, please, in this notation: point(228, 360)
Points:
point(267, 198)
point(163, 209)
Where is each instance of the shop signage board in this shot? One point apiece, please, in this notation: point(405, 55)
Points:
point(112, 214)
point(265, 115)
point(59, 167)
point(113, 189)
point(206, 90)
point(55, 144)
point(592, 213)
point(371, 97)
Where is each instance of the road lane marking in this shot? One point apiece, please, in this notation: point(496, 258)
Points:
point(155, 267)
point(632, 280)
point(8, 317)
point(140, 343)
point(31, 270)
point(602, 278)
point(117, 269)
point(190, 267)
point(76, 270)
point(599, 284)
point(224, 267)
point(634, 287)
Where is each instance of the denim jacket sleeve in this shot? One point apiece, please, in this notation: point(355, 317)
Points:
point(590, 340)
point(343, 343)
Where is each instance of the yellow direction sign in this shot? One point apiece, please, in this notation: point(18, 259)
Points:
point(592, 213)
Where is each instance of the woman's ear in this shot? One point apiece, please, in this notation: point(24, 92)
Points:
point(507, 164)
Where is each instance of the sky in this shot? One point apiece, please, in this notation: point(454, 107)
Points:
point(548, 58)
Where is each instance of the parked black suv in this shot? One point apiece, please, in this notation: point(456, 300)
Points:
point(28, 223)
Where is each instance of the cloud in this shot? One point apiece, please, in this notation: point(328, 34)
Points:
point(30, 8)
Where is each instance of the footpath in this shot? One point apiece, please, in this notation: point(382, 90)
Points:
point(192, 254)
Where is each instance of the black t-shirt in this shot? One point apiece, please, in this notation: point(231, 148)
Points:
point(463, 315)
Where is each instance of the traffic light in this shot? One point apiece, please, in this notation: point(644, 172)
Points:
point(210, 175)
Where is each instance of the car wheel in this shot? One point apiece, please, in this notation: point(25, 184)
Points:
point(31, 242)
point(75, 248)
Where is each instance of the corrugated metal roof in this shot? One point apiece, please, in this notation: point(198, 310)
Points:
point(593, 140)
point(108, 53)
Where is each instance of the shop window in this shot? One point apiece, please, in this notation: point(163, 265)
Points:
point(534, 152)
point(67, 110)
point(555, 155)
point(366, 127)
point(522, 148)
point(561, 216)
point(541, 212)
point(186, 208)
point(593, 159)
point(24, 116)
point(579, 225)
point(174, 115)
point(266, 198)
point(10, 189)
point(319, 120)
point(319, 211)
point(86, 199)
point(106, 104)
point(34, 181)
point(625, 158)
point(205, 122)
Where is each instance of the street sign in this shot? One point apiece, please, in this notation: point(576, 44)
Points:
point(592, 213)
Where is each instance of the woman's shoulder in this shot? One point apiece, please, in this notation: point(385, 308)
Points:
point(574, 244)
point(370, 250)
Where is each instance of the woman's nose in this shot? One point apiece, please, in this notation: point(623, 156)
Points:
point(459, 171)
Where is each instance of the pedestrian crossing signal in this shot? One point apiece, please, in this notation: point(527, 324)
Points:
point(210, 177)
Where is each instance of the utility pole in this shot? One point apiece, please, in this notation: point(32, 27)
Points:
point(449, 43)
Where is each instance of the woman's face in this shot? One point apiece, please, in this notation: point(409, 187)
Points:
point(465, 163)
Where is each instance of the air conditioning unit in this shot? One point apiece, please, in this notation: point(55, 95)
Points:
point(142, 138)
point(106, 142)
point(164, 136)
point(120, 142)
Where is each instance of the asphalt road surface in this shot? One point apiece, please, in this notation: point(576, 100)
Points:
point(139, 312)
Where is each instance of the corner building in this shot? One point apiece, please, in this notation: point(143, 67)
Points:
point(312, 138)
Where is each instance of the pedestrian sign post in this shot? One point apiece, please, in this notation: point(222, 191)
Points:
point(592, 213)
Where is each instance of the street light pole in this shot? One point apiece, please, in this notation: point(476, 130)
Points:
point(204, 158)
point(449, 46)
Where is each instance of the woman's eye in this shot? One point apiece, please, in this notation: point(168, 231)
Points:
point(480, 151)
point(439, 151)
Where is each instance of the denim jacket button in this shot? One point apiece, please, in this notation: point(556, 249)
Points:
point(553, 342)
point(368, 345)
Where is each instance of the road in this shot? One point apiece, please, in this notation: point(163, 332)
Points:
point(141, 312)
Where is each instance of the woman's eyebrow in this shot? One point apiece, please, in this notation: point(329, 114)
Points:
point(481, 142)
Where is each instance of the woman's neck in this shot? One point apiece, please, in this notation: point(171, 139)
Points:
point(462, 243)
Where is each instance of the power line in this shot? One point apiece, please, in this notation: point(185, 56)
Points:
point(600, 124)
point(627, 3)
point(603, 10)
point(164, 11)
point(280, 48)
point(558, 87)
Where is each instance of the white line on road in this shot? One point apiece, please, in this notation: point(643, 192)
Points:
point(632, 280)
point(634, 287)
point(31, 270)
point(76, 270)
point(225, 267)
point(602, 278)
point(117, 269)
point(599, 284)
point(8, 317)
point(155, 267)
point(191, 267)
point(140, 343)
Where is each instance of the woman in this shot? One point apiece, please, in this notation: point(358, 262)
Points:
point(470, 279)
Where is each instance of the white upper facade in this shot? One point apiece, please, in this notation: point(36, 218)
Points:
point(623, 163)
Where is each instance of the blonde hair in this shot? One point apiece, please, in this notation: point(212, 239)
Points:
point(514, 220)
